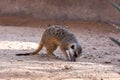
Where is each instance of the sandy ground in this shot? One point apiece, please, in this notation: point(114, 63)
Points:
point(100, 59)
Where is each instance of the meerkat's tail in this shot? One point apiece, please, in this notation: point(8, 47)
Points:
point(26, 54)
point(32, 53)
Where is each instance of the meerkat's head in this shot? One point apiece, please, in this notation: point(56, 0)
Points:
point(74, 51)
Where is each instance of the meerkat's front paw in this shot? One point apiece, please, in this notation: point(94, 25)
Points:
point(56, 56)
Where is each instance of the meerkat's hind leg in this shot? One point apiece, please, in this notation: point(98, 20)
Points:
point(50, 50)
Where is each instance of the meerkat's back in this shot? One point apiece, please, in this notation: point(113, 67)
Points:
point(55, 33)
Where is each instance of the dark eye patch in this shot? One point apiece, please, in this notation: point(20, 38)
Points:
point(72, 47)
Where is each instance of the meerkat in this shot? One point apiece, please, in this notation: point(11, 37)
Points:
point(55, 36)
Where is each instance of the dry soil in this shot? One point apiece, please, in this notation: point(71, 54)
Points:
point(100, 58)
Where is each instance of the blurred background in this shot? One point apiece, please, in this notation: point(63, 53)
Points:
point(82, 10)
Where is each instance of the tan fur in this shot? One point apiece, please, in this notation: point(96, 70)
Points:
point(55, 36)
